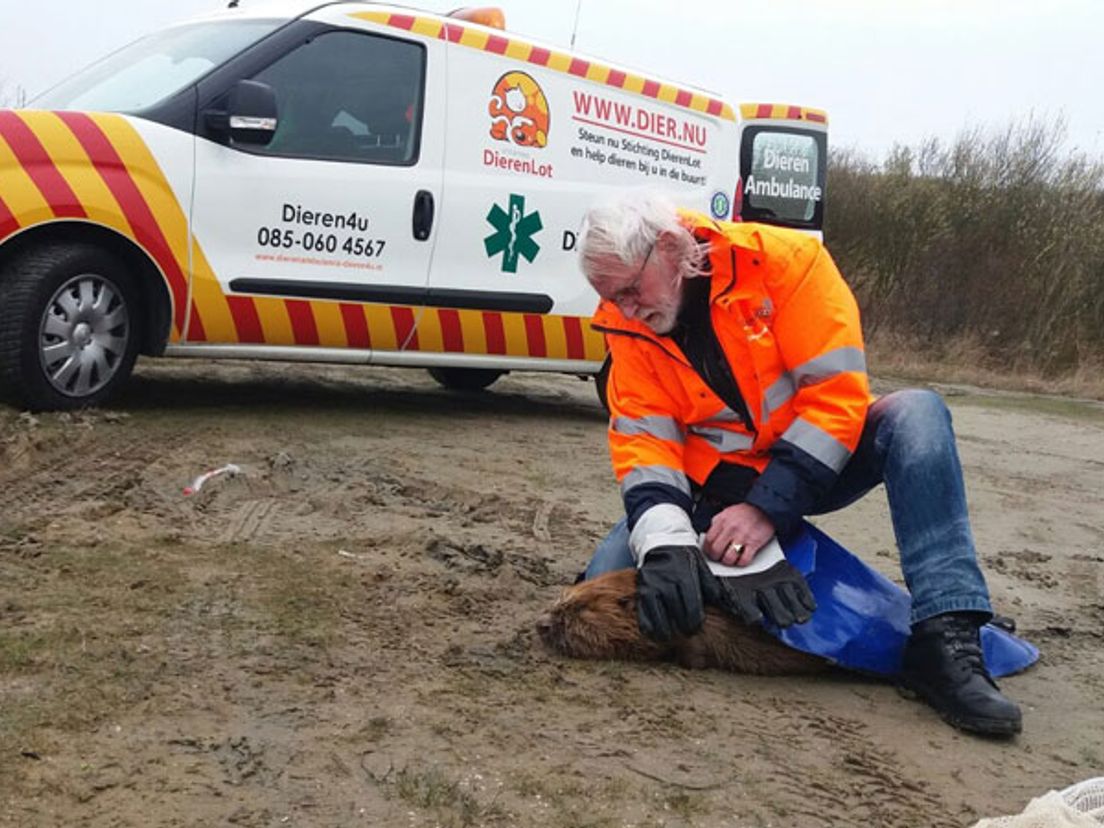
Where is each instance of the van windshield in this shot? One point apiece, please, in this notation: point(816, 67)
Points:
point(155, 67)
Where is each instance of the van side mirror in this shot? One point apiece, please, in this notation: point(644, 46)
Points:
point(250, 116)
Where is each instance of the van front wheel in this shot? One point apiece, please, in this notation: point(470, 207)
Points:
point(465, 379)
point(68, 327)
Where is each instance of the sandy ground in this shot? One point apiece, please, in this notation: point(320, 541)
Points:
point(342, 635)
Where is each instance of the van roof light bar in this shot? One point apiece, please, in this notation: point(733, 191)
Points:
point(490, 16)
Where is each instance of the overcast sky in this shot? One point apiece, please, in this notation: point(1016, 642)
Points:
point(886, 70)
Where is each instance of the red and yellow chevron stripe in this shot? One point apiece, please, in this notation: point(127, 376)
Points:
point(782, 112)
point(71, 165)
point(443, 330)
point(97, 168)
point(8, 224)
point(275, 321)
point(478, 38)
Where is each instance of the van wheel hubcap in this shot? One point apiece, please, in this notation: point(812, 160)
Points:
point(83, 336)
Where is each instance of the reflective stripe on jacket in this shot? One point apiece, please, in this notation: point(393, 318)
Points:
point(789, 327)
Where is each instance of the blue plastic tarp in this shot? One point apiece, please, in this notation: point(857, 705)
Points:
point(862, 618)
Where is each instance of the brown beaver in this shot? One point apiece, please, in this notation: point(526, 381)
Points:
point(597, 619)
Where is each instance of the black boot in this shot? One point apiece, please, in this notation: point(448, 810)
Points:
point(943, 665)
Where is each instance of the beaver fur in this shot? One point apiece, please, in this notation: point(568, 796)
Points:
point(597, 619)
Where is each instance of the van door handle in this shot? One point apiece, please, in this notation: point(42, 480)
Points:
point(423, 214)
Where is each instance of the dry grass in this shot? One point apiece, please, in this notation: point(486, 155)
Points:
point(962, 360)
point(987, 251)
point(452, 801)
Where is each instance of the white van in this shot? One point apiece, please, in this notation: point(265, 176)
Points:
point(349, 182)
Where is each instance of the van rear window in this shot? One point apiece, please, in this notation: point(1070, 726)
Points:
point(782, 176)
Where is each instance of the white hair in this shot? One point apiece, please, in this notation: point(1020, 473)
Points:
point(626, 227)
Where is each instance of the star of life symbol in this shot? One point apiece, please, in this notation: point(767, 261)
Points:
point(514, 231)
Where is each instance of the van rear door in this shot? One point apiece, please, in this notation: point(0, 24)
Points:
point(783, 164)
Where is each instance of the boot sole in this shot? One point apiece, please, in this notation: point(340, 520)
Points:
point(971, 724)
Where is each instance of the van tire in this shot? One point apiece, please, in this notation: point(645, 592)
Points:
point(465, 379)
point(69, 327)
point(601, 382)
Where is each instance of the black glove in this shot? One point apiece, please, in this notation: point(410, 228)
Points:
point(669, 593)
point(779, 593)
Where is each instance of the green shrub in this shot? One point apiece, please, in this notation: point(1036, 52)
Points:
point(995, 238)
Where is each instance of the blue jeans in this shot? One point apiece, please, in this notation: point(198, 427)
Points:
point(907, 443)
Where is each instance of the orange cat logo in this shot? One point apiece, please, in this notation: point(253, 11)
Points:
point(519, 111)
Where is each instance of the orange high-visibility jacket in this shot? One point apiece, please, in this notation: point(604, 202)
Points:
point(788, 326)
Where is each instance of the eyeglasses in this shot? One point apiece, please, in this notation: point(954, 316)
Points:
point(632, 290)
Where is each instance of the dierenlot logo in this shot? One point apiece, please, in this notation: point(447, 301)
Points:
point(513, 236)
point(519, 111)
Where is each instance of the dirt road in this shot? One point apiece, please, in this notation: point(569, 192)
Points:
point(342, 634)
